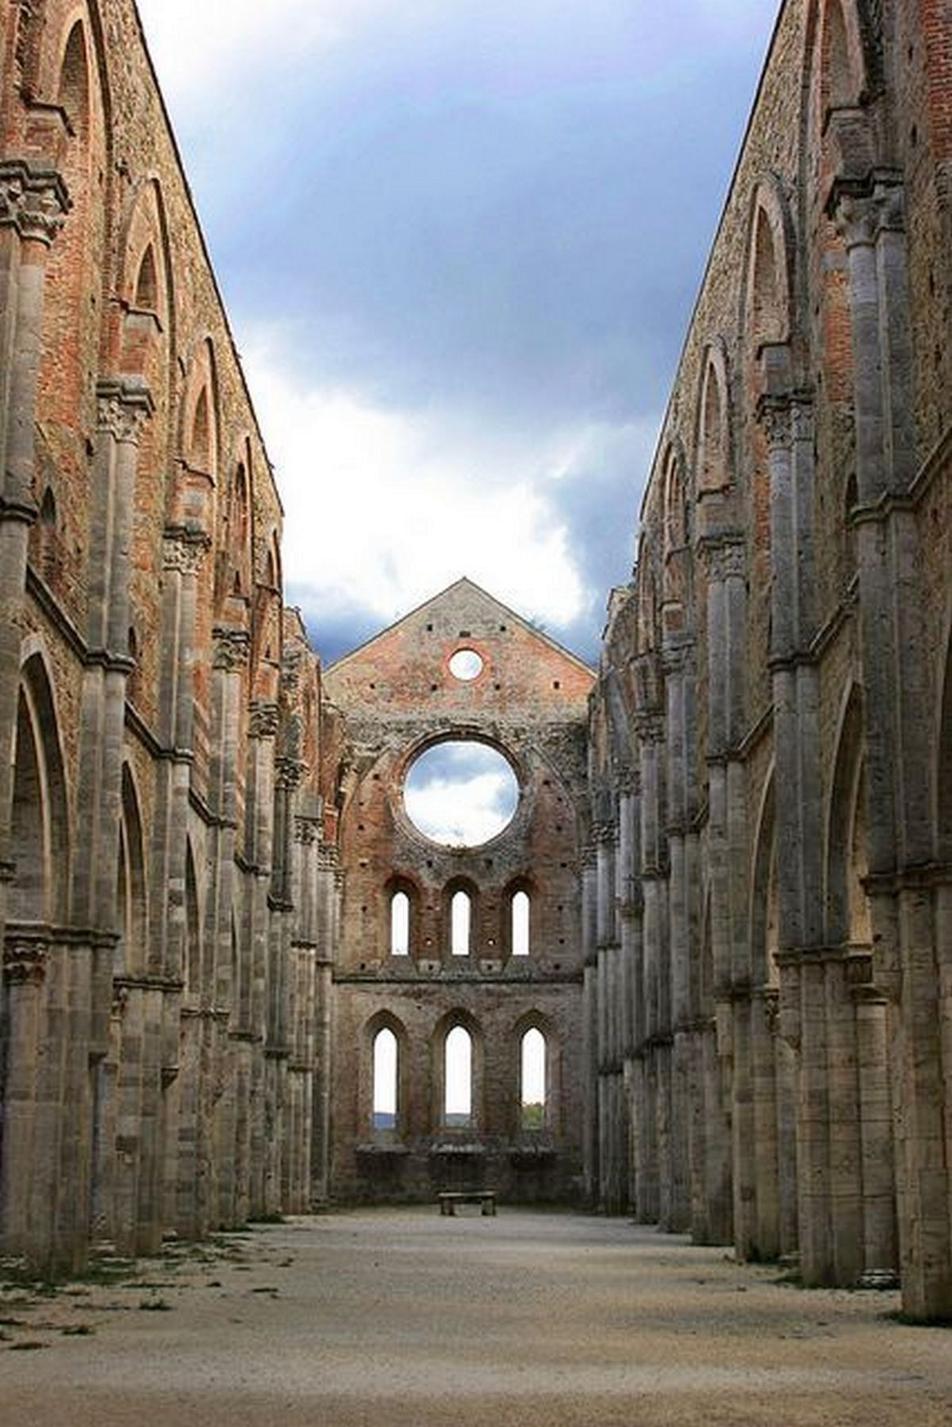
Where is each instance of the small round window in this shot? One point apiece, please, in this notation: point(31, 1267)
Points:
point(460, 793)
point(466, 665)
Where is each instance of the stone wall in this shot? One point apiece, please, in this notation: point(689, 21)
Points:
point(398, 697)
point(160, 811)
point(771, 731)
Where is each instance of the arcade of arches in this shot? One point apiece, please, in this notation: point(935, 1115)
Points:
point(700, 969)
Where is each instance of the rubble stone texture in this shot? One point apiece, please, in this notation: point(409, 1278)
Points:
point(736, 841)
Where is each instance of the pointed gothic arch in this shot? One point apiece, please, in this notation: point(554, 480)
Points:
point(847, 861)
point(713, 442)
point(40, 813)
point(764, 894)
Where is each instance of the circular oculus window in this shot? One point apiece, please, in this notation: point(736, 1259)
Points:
point(466, 665)
point(460, 793)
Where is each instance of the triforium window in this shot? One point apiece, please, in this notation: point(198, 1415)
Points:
point(519, 913)
point(461, 919)
point(399, 924)
point(385, 1080)
point(533, 1080)
point(458, 1078)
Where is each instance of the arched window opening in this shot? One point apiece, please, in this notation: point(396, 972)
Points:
point(458, 1078)
point(461, 916)
point(48, 510)
point(147, 284)
point(241, 509)
point(132, 949)
point(772, 938)
point(765, 293)
point(532, 1079)
point(386, 1074)
point(713, 465)
point(675, 534)
point(74, 81)
point(861, 932)
point(850, 504)
point(841, 89)
point(133, 686)
point(47, 537)
point(399, 924)
point(519, 913)
point(29, 897)
point(199, 447)
point(193, 944)
point(235, 970)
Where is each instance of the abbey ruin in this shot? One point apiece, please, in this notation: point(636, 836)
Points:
point(720, 907)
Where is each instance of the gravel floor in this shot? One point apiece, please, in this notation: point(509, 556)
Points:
point(404, 1319)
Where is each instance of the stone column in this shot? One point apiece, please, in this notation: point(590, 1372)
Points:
point(123, 409)
point(24, 971)
point(869, 211)
point(590, 1130)
point(183, 553)
point(654, 1197)
point(326, 924)
point(32, 204)
point(263, 725)
point(222, 970)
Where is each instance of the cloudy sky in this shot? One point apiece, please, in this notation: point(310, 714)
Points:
point(459, 241)
point(461, 793)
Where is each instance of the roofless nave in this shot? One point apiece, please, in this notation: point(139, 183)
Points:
point(724, 899)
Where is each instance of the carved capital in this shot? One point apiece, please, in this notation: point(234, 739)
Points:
point(34, 201)
point(290, 773)
point(307, 831)
point(24, 963)
point(678, 659)
point(291, 661)
point(263, 720)
point(123, 408)
point(775, 415)
point(183, 550)
point(605, 834)
point(647, 679)
point(864, 210)
point(327, 857)
point(651, 727)
point(232, 647)
point(726, 559)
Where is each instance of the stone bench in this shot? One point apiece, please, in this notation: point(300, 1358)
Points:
point(449, 1198)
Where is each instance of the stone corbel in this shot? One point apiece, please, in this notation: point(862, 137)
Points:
point(33, 201)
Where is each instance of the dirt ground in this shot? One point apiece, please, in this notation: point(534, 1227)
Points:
point(404, 1319)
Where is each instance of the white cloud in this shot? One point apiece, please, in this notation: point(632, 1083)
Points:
point(385, 508)
point(459, 813)
point(200, 49)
